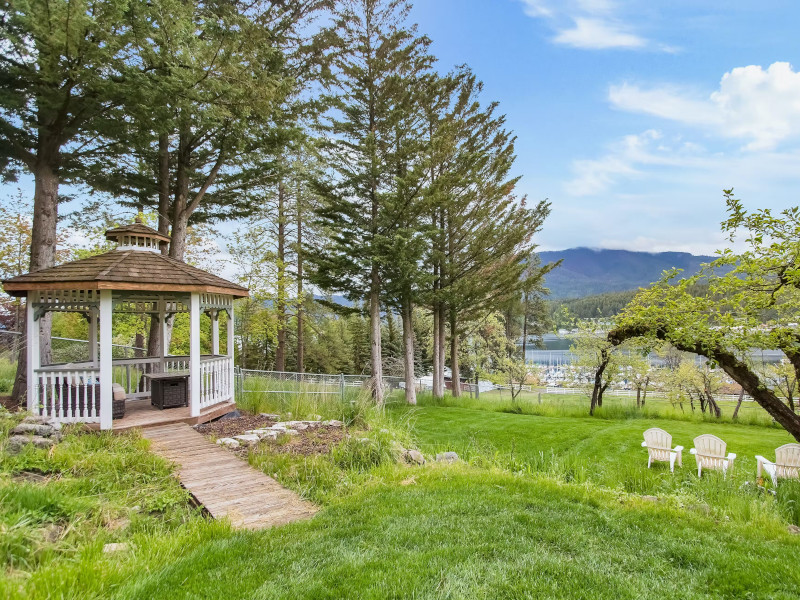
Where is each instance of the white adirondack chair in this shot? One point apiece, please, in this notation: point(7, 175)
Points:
point(659, 447)
point(786, 465)
point(709, 451)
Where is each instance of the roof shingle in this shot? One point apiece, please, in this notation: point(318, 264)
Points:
point(126, 269)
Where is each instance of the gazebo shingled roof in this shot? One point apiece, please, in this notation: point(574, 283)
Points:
point(125, 268)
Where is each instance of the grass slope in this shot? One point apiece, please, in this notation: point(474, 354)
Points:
point(461, 532)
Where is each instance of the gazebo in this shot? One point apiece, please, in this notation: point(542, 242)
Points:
point(134, 278)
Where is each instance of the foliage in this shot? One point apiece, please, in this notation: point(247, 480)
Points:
point(751, 302)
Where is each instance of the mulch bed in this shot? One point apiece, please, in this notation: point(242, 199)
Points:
point(307, 442)
point(235, 426)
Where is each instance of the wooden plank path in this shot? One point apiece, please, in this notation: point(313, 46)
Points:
point(225, 485)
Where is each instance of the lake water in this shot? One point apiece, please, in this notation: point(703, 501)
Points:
point(556, 352)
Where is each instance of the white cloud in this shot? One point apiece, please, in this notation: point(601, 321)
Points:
point(589, 25)
point(757, 105)
point(598, 34)
point(537, 8)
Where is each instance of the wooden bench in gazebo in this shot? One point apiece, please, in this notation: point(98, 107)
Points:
point(134, 278)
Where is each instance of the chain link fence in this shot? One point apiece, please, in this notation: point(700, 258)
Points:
point(252, 381)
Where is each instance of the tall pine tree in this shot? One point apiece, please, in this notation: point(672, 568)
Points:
point(377, 58)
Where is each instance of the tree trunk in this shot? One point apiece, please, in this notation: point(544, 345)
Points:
point(162, 172)
point(455, 368)
point(644, 394)
point(408, 351)
point(638, 396)
point(712, 404)
point(738, 405)
point(43, 255)
point(739, 371)
point(603, 389)
point(525, 328)
point(280, 306)
point(437, 391)
point(442, 339)
point(376, 359)
point(300, 299)
point(597, 390)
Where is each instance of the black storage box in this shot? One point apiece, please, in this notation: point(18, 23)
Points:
point(169, 391)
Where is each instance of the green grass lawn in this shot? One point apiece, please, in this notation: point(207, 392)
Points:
point(544, 507)
point(462, 532)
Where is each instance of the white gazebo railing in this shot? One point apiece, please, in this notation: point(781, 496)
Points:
point(69, 394)
point(216, 380)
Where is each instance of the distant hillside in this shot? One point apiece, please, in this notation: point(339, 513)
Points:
point(586, 271)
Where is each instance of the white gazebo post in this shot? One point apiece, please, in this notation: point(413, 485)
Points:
point(214, 314)
point(162, 323)
point(93, 336)
point(194, 355)
point(232, 371)
point(106, 357)
point(34, 355)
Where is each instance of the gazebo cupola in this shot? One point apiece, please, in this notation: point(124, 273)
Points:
point(133, 278)
point(137, 236)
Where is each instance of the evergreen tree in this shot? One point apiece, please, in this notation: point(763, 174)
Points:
point(483, 232)
point(378, 59)
point(63, 75)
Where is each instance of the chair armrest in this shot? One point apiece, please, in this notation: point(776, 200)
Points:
point(678, 449)
point(731, 456)
point(762, 460)
point(693, 451)
point(644, 444)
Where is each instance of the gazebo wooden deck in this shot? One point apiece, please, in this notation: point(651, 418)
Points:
point(134, 278)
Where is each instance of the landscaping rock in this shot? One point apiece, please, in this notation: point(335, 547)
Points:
point(37, 420)
point(291, 432)
point(17, 442)
point(270, 416)
point(264, 433)
point(449, 457)
point(793, 529)
point(333, 423)
point(228, 442)
point(247, 439)
point(701, 508)
point(53, 532)
point(41, 429)
point(231, 415)
point(650, 498)
point(414, 457)
point(115, 547)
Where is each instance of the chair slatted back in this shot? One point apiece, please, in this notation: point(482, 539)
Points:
point(659, 443)
point(710, 451)
point(787, 461)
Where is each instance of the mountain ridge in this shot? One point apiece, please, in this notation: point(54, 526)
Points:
point(589, 271)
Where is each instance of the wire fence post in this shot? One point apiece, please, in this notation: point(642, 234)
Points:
point(341, 385)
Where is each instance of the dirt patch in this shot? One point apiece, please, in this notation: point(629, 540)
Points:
point(307, 442)
point(9, 404)
point(31, 477)
point(235, 426)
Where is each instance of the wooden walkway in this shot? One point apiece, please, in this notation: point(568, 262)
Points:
point(225, 485)
point(140, 413)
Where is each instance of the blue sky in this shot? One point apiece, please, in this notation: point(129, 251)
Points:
point(633, 116)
